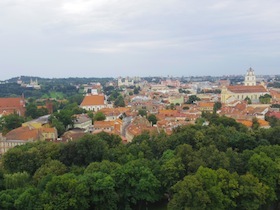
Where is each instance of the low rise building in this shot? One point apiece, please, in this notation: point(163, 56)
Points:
point(83, 121)
point(94, 102)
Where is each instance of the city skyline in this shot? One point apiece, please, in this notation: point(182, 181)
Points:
point(55, 39)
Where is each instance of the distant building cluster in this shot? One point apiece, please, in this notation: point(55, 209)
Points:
point(150, 105)
point(33, 84)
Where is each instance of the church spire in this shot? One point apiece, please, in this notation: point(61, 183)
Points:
point(250, 78)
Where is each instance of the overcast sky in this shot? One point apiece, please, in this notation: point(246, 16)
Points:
point(110, 38)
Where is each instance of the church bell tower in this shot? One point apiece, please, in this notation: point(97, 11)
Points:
point(250, 78)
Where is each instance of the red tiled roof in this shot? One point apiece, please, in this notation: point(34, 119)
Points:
point(11, 102)
point(274, 114)
point(247, 89)
point(103, 124)
point(23, 133)
point(206, 104)
point(91, 100)
point(11, 105)
point(114, 111)
point(137, 129)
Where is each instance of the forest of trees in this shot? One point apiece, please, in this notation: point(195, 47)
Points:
point(50, 88)
point(220, 166)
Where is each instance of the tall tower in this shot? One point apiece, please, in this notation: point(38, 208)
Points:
point(250, 78)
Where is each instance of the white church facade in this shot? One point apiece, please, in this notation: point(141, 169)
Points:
point(250, 90)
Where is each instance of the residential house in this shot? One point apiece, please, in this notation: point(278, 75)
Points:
point(205, 106)
point(40, 122)
point(83, 121)
point(138, 125)
point(114, 127)
point(48, 134)
point(22, 135)
point(176, 99)
point(274, 114)
point(72, 135)
point(275, 94)
point(114, 113)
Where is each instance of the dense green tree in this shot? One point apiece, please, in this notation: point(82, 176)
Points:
point(111, 139)
point(58, 125)
point(249, 101)
point(65, 192)
point(199, 191)
point(105, 167)
point(229, 183)
point(16, 180)
point(252, 193)
point(264, 168)
point(136, 90)
point(273, 121)
point(255, 124)
point(8, 198)
point(10, 122)
point(1, 178)
point(114, 95)
point(29, 199)
point(192, 99)
point(217, 106)
point(99, 116)
point(119, 102)
point(74, 108)
point(102, 193)
point(152, 118)
point(17, 160)
point(34, 112)
point(53, 167)
point(65, 116)
point(265, 99)
point(88, 149)
point(171, 171)
point(31, 110)
point(136, 184)
point(77, 98)
point(272, 135)
point(142, 112)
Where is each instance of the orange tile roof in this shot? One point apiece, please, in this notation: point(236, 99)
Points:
point(206, 104)
point(247, 89)
point(23, 133)
point(247, 123)
point(114, 111)
point(263, 123)
point(168, 112)
point(103, 124)
point(137, 130)
point(91, 100)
